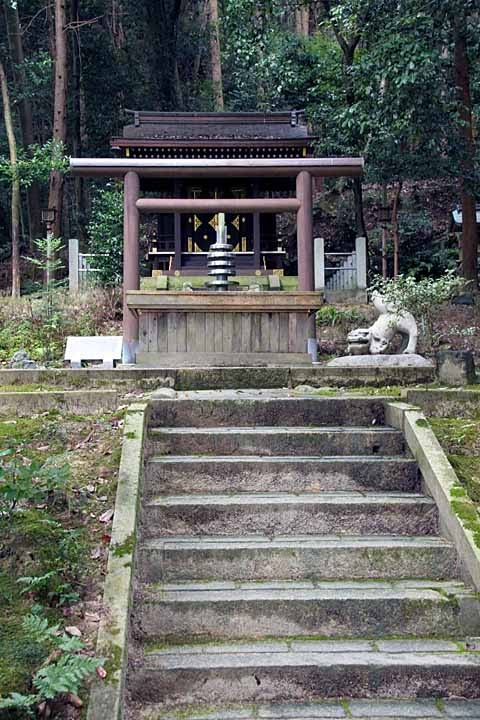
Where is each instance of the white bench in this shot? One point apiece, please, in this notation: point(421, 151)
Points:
point(104, 348)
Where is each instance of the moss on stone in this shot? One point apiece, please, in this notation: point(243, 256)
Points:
point(125, 548)
point(422, 423)
point(112, 661)
point(468, 514)
point(467, 469)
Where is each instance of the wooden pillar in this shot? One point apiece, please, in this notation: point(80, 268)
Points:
point(177, 229)
point(305, 255)
point(131, 273)
point(305, 232)
point(257, 248)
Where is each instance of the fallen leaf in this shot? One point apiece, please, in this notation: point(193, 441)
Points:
point(91, 488)
point(97, 553)
point(107, 516)
point(101, 672)
point(93, 617)
point(74, 700)
point(73, 631)
point(103, 471)
point(106, 538)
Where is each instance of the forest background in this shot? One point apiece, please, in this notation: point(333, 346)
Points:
point(396, 81)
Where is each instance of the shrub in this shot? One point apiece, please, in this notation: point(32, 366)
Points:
point(105, 232)
point(423, 298)
point(96, 312)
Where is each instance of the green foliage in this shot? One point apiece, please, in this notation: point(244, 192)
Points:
point(50, 310)
point(64, 671)
point(96, 312)
point(35, 164)
point(32, 482)
point(423, 298)
point(330, 315)
point(105, 232)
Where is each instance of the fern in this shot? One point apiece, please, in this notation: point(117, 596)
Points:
point(64, 676)
point(39, 630)
point(16, 701)
point(64, 672)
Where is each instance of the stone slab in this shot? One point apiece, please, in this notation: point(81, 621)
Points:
point(245, 675)
point(343, 513)
point(189, 474)
point(446, 402)
point(278, 440)
point(241, 558)
point(439, 478)
point(106, 348)
point(76, 402)
point(376, 709)
point(336, 609)
point(204, 378)
point(381, 361)
point(259, 408)
point(106, 696)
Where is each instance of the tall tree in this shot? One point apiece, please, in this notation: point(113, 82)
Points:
point(25, 111)
point(302, 21)
point(215, 56)
point(348, 40)
point(469, 242)
point(15, 200)
point(55, 196)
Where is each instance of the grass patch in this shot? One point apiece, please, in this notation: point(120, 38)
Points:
point(29, 388)
point(460, 438)
point(60, 545)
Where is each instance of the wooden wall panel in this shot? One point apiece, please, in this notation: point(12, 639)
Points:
point(223, 332)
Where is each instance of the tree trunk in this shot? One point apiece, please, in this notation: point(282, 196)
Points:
point(469, 241)
point(215, 56)
point(395, 228)
point(25, 114)
point(360, 227)
point(384, 234)
point(15, 204)
point(201, 18)
point(302, 22)
point(55, 197)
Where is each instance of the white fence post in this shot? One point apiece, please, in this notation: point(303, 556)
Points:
point(73, 265)
point(319, 256)
point(361, 253)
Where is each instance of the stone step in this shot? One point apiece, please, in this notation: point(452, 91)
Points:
point(277, 440)
point(431, 709)
point(305, 671)
point(184, 559)
point(222, 611)
point(189, 474)
point(288, 514)
point(255, 408)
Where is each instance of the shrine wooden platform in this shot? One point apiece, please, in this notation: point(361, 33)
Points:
point(226, 328)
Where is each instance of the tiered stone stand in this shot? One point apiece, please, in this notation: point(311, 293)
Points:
point(223, 328)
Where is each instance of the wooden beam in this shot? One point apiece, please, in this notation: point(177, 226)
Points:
point(225, 205)
point(245, 167)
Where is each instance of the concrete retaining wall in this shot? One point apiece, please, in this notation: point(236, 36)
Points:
point(75, 402)
point(212, 378)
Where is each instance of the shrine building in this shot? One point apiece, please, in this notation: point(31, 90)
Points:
point(179, 242)
point(181, 171)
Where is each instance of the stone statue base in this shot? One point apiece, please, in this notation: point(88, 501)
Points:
point(379, 361)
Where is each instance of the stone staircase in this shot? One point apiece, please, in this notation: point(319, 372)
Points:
point(290, 566)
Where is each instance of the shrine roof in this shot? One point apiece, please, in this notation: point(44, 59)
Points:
point(217, 127)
